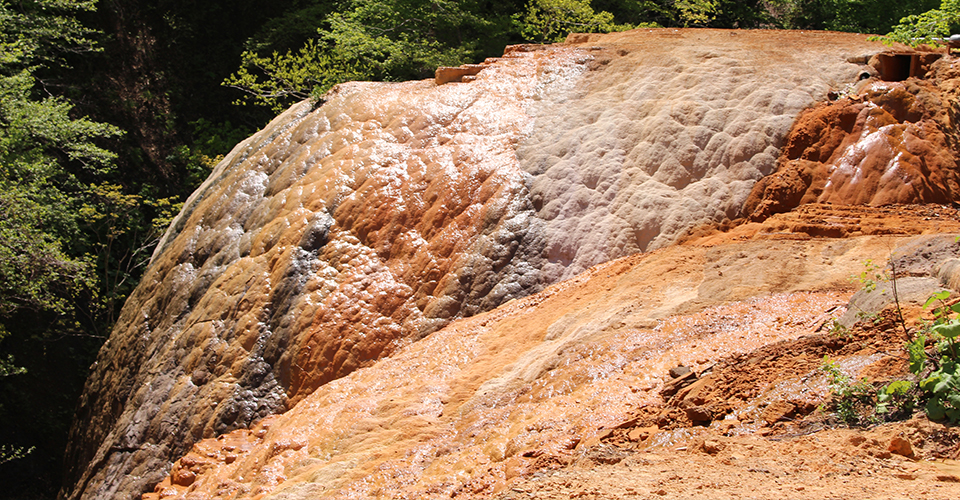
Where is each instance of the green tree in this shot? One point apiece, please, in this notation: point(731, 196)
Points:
point(696, 12)
point(638, 12)
point(365, 40)
point(280, 79)
point(47, 157)
point(930, 27)
point(863, 16)
point(57, 288)
point(549, 21)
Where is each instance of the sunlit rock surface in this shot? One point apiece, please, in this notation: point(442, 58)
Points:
point(524, 387)
point(882, 143)
point(341, 234)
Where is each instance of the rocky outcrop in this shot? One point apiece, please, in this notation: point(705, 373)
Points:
point(462, 73)
point(534, 383)
point(883, 143)
point(340, 234)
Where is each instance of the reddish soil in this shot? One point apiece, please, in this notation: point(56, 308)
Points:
point(768, 438)
point(704, 464)
point(817, 220)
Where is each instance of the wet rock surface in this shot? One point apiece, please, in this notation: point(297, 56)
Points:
point(544, 383)
point(883, 143)
point(765, 437)
point(316, 268)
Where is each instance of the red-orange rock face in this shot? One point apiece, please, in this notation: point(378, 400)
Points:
point(529, 386)
point(342, 233)
point(888, 143)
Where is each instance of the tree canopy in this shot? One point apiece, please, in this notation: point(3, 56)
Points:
point(60, 278)
point(929, 27)
point(403, 39)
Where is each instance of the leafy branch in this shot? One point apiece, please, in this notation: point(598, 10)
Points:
point(931, 27)
point(549, 21)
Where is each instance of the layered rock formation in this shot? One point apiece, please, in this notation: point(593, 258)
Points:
point(343, 232)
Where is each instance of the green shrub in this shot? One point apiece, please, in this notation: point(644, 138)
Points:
point(853, 402)
point(938, 369)
point(930, 27)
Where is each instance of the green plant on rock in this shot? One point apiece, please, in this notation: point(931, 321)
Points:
point(896, 400)
point(939, 368)
point(837, 329)
point(852, 401)
point(871, 275)
point(858, 402)
point(936, 369)
point(869, 317)
point(870, 278)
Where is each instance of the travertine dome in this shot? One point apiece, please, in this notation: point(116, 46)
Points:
point(346, 230)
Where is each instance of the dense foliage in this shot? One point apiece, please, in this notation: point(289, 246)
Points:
point(368, 40)
point(403, 39)
point(929, 27)
point(48, 282)
point(552, 20)
point(111, 113)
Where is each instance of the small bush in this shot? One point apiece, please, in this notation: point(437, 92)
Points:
point(935, 363)
point(939, 368)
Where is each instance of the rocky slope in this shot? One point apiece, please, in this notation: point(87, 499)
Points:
point(344, 232)
point(534, 385)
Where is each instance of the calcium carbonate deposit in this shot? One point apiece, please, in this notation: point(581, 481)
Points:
point(349, 228)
